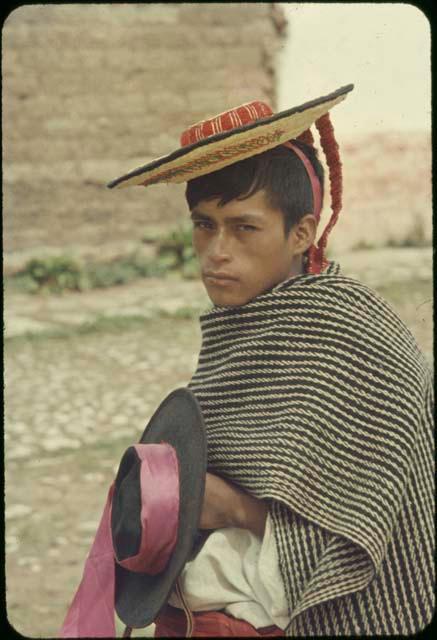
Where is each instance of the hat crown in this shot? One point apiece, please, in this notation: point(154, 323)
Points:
point(226, 121)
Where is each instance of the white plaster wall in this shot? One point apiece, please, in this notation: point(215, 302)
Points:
point(384, 49)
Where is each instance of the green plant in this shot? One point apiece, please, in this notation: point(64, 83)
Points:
point(151, 236)
point(22, 283)
point(54, 274)
point(177, 243)
point(415, 237)
point(118, 271)
point(363, 245)
point(176, 250)
point(57, 274)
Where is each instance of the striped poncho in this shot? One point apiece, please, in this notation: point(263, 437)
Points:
point(316, 397)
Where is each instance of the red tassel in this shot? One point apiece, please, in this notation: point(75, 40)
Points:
point(316, 260)
point(316, 255)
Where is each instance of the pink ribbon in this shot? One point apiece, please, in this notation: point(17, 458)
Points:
point(91, 613)
point(315, 182)
point(316, 259)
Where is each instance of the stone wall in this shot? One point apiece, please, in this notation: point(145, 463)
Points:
point(91, 91)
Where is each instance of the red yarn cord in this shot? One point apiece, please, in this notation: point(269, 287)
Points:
point(317, 261)
point(331, 151)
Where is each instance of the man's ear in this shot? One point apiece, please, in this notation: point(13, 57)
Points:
point(304, 233)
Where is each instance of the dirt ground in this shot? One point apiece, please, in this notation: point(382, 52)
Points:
point(74, 403)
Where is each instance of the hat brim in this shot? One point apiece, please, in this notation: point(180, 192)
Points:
point(178, 421)
point(222, 149)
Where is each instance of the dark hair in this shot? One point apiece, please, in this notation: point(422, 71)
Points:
point(279, 171)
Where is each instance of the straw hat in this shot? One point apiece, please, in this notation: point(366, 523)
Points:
point(230, 137)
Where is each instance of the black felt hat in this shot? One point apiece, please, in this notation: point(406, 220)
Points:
point(178, 422)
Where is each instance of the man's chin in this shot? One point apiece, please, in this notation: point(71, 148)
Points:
point(227, 299)
point(231, 294)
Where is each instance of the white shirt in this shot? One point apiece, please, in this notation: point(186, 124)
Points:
point(236, 572)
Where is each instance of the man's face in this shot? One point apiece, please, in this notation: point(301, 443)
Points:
point(242, 248)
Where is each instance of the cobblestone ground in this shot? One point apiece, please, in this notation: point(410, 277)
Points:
point(74, 403)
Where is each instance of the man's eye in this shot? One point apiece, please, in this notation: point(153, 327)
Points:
point(202, 224)
point(246, 227)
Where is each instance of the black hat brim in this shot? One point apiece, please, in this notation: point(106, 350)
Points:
point(178, 421)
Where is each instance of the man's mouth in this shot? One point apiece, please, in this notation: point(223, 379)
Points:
point(219, 278)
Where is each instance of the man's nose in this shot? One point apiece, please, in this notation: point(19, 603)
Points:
point(219, 249)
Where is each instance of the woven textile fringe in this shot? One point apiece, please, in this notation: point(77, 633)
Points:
point(317, 398)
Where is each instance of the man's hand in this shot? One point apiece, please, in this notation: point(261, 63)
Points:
point(225, 505)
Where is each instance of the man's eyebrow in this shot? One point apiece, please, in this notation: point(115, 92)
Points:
point(198, 214)
point(242, 217)
point(246, 217)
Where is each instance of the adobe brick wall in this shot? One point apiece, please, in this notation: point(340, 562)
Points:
point(91, 91)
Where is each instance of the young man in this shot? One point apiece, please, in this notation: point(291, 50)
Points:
point(317, 402)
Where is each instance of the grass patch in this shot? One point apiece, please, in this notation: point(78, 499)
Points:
point(56, 274)
point(363, 245)
point(107, 324)
point(53, 274)
point(415, 237)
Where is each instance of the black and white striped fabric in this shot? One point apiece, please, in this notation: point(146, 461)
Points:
point(316, 396)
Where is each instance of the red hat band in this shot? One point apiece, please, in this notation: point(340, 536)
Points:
point(226, 121)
